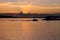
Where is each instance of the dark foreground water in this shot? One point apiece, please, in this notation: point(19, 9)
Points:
point(16, 29)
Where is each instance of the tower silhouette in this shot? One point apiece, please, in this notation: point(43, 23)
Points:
point(20, 13)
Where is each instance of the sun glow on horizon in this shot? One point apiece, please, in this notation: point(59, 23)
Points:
point(27, 8)
point(38, 9)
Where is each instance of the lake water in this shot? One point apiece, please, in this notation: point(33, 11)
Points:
point(16, 29)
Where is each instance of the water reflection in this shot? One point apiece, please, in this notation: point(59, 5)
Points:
point(29, 30)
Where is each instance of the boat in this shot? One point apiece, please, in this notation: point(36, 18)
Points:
point(34, 20)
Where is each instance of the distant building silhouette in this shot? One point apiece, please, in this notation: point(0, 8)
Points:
point(20, 13)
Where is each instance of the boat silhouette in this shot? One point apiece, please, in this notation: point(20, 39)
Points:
point(34, 19)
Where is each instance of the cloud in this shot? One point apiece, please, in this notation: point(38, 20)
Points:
point(8, 7)
point(34, 1)
point(18, 6)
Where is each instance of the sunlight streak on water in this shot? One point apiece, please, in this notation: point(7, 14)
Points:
point(29, 30)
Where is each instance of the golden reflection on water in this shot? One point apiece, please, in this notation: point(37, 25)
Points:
point(25, 26)
point(29, 30)
point(21, 30)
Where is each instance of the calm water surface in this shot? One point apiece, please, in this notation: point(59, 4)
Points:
point(16, 29)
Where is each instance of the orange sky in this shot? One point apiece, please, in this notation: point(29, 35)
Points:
point(14, 7)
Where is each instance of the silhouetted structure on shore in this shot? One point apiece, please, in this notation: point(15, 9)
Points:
point(22, 15)
point(52, 18)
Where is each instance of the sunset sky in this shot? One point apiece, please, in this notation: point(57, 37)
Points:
point(30, 6)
